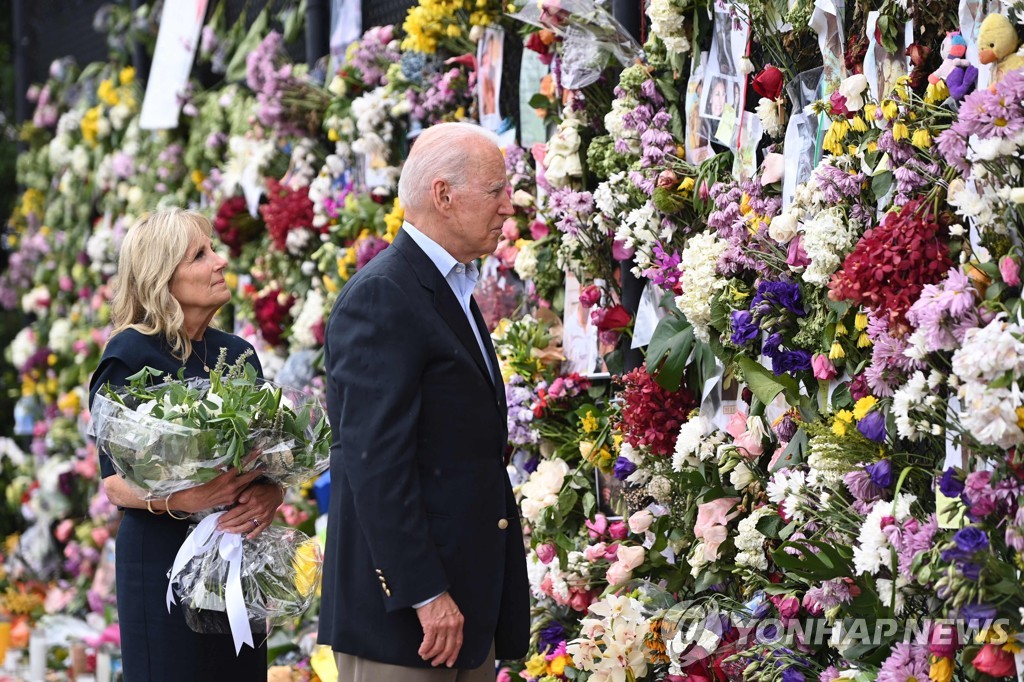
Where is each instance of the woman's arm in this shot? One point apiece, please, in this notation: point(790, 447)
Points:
point(222, 491)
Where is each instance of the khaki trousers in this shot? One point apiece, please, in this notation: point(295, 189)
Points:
point(355, 669)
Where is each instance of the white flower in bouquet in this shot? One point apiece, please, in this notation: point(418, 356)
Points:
point(22, 347)
point(750, 542)
point(541, 491)
point(526, 261)
point(700, 281)
point(772, 115)
point(310, 315)
point(61, 336)
point(827, 238)
point(80, 160)
point(120, 114)
point(786, 487)
point(667, 24)
point(853, 89)
point(562, 159)
point(614, 123)
point(59, 151)
point(871, 551)
point(246, 159)
point(741, 476)
point(611, 646)
point(884, 587)
point(692, 445)
point(989, 352)
point(36, 301)
point(989, 414)
point(298, 240)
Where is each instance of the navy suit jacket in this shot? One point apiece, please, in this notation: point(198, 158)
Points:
point(420, 499)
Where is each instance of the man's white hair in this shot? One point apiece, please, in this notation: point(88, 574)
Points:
point(440, 151)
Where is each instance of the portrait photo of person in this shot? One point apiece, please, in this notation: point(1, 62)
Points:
point(716, 98)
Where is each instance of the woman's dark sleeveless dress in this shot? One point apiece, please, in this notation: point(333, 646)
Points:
point(157, 646)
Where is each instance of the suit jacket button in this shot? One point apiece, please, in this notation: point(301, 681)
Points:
point(502, 524)
point(387, 591)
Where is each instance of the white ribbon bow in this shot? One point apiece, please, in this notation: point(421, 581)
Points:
point(204, 538)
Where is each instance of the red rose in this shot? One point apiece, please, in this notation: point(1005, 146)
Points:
point(769, 82)
point(609, 319)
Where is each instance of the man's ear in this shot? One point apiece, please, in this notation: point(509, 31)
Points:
point(441, 195)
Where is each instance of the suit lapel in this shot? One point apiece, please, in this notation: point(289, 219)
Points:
point(444, 299)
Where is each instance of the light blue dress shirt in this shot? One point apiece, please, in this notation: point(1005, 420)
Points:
point(461, 278)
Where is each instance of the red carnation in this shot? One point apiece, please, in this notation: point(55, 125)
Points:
point(235, 226)
point(893, 262)
point(272, 310)
point(287, 209)
point(652, 416)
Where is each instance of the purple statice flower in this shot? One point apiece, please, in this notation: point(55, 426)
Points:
point(908, 662)
point(519, 398)
point(862, 487)
point(872, 427)
point(375, 53)
point(623, 468)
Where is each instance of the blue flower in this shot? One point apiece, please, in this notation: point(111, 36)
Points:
point(970, 539)
point(791, 674)
point(771, 345)
point(873, 427)
point(623, 468)
point(791, 361)
point(785, 294)
point(950, 484)
point(880, 472)
point(744, 328)
point(977, 614)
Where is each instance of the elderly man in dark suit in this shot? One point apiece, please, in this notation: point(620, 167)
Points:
point(425, 570)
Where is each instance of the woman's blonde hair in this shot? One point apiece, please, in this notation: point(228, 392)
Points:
point(150, 253)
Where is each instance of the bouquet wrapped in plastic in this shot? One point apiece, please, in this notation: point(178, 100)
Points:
point(226, 583)
point(179, 434)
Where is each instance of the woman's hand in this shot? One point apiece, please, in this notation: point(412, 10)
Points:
point(222, 491)
point(255, 510)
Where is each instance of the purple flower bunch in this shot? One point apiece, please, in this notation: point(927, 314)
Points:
point(908, 661)
point(890, 365)
point(774, 305)
point(520, 398)
point(664, 271)
point(734, 203)
point(444, 92)
point(963, 551)
point(945, 311)
point(374, 53)
point(649, 122)
point(268, 73)
point(517, 167)
point(571, 210)
point(987, 113)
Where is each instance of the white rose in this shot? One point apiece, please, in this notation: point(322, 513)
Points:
point(783, 228)
point(853, 89)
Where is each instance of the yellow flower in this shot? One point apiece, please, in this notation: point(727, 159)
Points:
point(872, 146)
point(69, 402)
point(197, 177)
point(90, 125)
point(921, 139)
point(841, 127)
point(453, 31)
point(836, 352)
point(863, 406)
point(1020, 417)
point(393, 220)
point(51, 359)
point(537, 665)
point(859, 125)
point(841, 329)
point(860, 322)
point(231, 280)
point(900, 131)
point(307, 563)
point(107, 93)
point(745, 204)
point(589, 423)
point(941, 669)
point(558, 665)
point(889, 109)
point(460, 113)
point(843, 419)
point(127, 75)
point(330, 285)
point(936, 92)
point(332, 135)
point(863, 341)
point(686, 186)
point(869, 111)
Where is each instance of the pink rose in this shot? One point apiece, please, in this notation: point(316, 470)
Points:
point(640, 521)
point(993, 660)
point(943, 640)
point(618, 573)
point(631, 557)
point(611, 552)
point(788, 607)
point(63, 530)
point(618, 530)
point(749, 444)
point(100, 535)
point(503, 676)
point(590, 296)
point(580, 601)
point(546, 553)
point(594, 552)
point(796, 257)
point(1009, 269)
point(539, 230)
point(737, 425)
point(597, 527)
point(823, 367)
point(510, 230)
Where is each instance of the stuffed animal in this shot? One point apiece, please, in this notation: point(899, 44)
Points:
point(956, 72)
point(997, 43)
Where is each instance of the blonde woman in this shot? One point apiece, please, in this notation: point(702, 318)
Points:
point(169, 285)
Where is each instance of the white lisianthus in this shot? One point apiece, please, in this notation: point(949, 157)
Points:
point(783, 227)
point(562, 159)
point(853, 89)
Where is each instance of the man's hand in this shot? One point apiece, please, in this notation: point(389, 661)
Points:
point(442, 631)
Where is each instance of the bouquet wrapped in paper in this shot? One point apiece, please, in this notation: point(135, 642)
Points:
point(179, 434)
point(226, 583)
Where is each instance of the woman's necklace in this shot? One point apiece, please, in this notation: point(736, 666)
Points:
point(206, 367)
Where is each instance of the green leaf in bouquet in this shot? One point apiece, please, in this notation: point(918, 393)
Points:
point(815, 560)
point(706, 580)
point(669, 351)
point(292, 19)
point(589, 504)
point(763, 383)
point(237, 65)
point(881, 183)
point(771, 526)
point(566, 501)
point(794, 452)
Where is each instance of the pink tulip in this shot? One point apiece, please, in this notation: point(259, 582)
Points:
point(597, 527)
point(1009, 269)
point(823, 367)
point(546, 553)
point(640, 521)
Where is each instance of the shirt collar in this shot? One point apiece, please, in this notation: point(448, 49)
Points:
point(442, 260)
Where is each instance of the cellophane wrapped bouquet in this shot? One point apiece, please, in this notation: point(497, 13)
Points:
point(181, 433)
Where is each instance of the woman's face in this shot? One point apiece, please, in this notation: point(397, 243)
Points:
point(198, 281)
point(718, 99)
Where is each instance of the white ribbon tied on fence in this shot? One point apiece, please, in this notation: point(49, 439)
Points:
point(204, 538)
